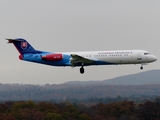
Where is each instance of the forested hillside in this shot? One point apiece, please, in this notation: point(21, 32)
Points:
point(86, 90)
point(141, 78)
point(80, 92)
point(72, 101)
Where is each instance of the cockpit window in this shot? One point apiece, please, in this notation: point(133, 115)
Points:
point(146, 53)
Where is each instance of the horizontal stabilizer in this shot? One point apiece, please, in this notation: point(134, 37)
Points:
point(12, 40)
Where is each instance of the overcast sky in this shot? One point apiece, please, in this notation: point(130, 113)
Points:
point(76, 25)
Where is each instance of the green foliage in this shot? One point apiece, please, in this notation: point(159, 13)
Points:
point(70, 112)
point(22, 104)
point(47, 106)
point(84, 117)
point(116, 109)
point(53, 116)
point(124, 110)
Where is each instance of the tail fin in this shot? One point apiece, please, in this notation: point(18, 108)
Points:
point(22, 46)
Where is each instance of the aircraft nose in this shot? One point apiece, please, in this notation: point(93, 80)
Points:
point(154, 58)
point(151, 58)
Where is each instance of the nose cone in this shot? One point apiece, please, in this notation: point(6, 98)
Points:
point(153, 58)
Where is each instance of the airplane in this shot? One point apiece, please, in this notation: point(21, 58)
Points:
point(88, 58)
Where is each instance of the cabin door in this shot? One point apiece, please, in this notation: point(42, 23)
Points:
point(139, 56)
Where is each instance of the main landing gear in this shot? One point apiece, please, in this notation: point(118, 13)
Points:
point(141, 67)
point(82, 70)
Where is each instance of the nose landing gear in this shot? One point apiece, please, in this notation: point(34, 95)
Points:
point(141, 67)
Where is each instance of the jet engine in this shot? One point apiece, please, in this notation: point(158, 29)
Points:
point(53, 57)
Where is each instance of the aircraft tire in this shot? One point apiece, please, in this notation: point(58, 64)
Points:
point(81, 70)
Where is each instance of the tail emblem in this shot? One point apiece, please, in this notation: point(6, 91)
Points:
point(24, 45)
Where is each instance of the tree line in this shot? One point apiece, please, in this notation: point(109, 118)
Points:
point(124, 110)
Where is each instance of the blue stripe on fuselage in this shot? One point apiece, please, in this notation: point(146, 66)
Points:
point(37, 59)
point(64, 62)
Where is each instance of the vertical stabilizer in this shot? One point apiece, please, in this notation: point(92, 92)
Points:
point(22, 46)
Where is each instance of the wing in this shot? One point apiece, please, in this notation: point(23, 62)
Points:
point(78, 59)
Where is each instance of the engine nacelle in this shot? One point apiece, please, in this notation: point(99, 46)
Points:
point(53, 57)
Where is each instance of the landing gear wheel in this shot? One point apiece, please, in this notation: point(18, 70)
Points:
point(81, 70)
point(141, 68)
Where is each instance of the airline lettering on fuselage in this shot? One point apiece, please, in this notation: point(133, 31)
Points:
point(115, 53)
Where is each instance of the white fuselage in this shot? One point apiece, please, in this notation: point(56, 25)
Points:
point(119, 56)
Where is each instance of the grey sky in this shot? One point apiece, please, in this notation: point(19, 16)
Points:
point(76, 25)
